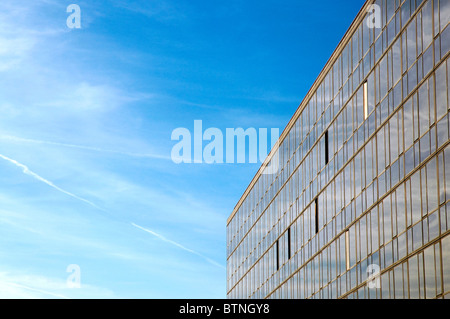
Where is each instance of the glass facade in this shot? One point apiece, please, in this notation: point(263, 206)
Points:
point(360, 204)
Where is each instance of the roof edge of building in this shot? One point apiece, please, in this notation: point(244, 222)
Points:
point(340, 47)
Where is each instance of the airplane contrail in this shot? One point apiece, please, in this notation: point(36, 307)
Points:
point(178, 245)
point(83, 147)
point(34, 289)
point(27, 171)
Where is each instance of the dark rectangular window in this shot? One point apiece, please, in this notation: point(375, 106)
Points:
point(316, 201)
point(289, 242)
point(327, 156)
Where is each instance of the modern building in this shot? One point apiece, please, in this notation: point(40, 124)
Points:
point(359, 205)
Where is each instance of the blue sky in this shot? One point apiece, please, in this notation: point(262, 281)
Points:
point(86, 117)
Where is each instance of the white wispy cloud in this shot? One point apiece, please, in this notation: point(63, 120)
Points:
point(178, 245)
point(18, 293)
point(17, 286)
point(159, 10)
point(68, 103)
point(27, 171)
point(84, 147)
